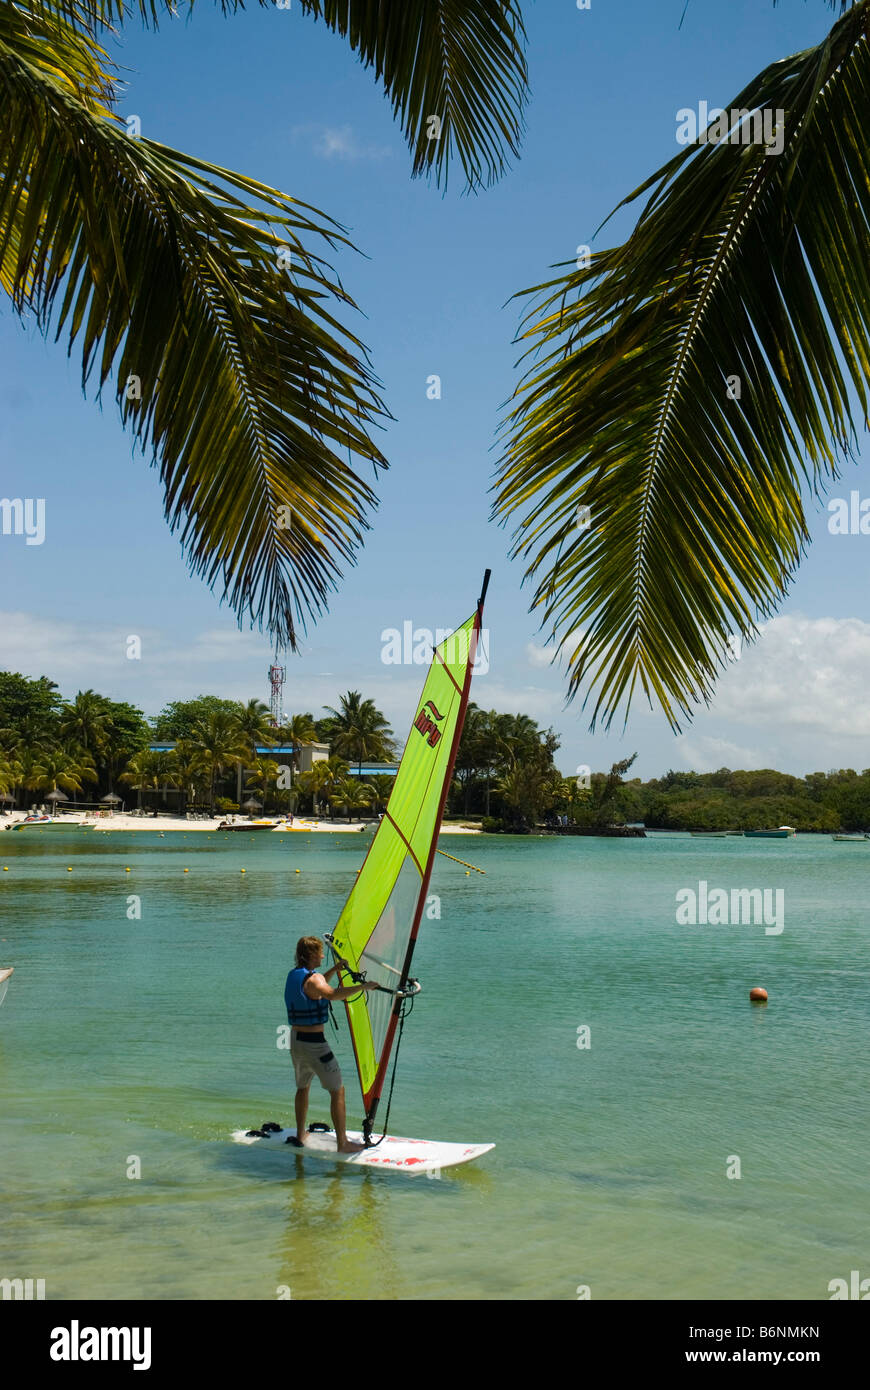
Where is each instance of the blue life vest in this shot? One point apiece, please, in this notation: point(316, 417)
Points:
point(303, 1012)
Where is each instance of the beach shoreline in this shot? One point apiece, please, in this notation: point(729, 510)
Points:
point(127, 820)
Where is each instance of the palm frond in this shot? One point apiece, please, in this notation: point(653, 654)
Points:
point(690, 386)
point(454, 70)
point(196, 288)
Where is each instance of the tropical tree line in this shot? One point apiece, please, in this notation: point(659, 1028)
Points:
point(93, 749)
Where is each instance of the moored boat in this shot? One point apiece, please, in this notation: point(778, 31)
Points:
point(851, 839)
point(782, 834)
point(248, 825)
point(4, 981)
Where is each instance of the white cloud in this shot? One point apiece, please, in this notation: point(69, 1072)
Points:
point(809, 675)
point(338, 142)
point(539, 657)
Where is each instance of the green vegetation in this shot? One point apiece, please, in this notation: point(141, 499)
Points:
point(505, 773)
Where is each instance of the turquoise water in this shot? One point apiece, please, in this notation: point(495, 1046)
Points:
point(157, 1037)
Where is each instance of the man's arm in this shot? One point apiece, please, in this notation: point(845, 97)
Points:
point(317, 988)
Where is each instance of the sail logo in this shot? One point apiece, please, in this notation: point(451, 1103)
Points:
point(427, 728)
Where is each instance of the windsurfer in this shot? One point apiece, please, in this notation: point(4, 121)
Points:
point(308, 995)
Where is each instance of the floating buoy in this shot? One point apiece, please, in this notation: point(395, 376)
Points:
point(298, 871)
point(69, 868)
point(5, 868)
point(468, 873)
point(758, 996)
point(187, 871)
point(244, 871)
point(126, 871)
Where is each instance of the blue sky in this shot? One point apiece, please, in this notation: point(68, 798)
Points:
point(274, 95)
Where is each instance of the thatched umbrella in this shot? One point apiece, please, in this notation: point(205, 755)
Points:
point(7, 797)
point(111, 800)
point(251, 805)
point(56, 796)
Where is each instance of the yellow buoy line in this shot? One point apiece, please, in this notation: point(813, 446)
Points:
point(463, 862)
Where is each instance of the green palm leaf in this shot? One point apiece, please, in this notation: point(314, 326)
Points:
point(461, 61)
point(170, 272)
point(743, 265)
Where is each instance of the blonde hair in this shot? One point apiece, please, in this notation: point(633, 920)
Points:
point(306, 948)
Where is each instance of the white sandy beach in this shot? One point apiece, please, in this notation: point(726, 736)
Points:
point(127, 820)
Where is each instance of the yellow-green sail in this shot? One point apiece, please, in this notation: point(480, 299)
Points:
point(378, 926)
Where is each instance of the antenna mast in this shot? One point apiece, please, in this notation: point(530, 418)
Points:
point(277, 677)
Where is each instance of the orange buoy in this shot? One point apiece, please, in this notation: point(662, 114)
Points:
point(758, 996)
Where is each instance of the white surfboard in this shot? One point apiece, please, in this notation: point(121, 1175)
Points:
point(402, 1155)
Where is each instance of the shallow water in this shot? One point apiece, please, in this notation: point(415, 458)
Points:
point(155, 1038)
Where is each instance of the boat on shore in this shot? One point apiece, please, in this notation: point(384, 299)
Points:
point(248, 825)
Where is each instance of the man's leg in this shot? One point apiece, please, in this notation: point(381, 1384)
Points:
point(337, 1111)
point(302, 1112)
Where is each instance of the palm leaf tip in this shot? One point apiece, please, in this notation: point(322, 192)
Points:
point(455, 72)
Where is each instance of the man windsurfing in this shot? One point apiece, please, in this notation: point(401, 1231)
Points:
point(307, 995)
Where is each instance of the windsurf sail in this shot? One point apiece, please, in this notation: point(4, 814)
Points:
point(378, 926)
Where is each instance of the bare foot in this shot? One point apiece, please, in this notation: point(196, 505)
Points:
point(348, 1147)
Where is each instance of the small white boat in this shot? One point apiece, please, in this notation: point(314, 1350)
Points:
point(4, 981)
point(851, 839)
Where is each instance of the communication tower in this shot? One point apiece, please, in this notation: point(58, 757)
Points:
point(277, 677)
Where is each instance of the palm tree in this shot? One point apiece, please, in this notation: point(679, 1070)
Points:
point(207, 293)
point(321, 781)
point(149, 771)
point(351, 795)
point(58, 769)
point(300, 731)
point(255, 727)
point(191, 770)
point(218, 740)
point(382, 787)
point(263, 776)
point(85, 721)
point(359, 730)
point(11, 773)
point(691, 382)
